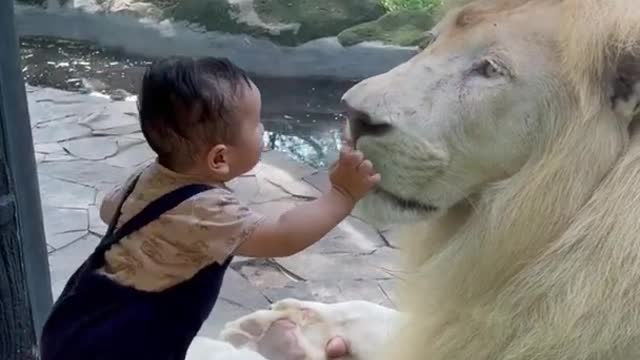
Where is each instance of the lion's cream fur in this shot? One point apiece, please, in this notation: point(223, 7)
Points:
point(546, 263)
point(541, 259)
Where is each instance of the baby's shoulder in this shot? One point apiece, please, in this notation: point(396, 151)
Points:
point(217, 200)
point(218, 194)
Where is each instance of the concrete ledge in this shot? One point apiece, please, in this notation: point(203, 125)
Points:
point(318, 58)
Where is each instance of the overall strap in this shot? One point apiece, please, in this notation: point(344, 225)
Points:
point(114, 219)
point(156, 208)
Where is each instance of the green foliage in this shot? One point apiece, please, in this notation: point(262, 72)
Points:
point(394, 5)
point(403, 27)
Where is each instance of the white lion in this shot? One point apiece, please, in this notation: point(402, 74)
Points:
point(511, 141)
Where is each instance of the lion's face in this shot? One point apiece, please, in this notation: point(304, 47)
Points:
point(466, 112)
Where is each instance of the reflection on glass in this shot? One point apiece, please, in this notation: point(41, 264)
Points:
point(300, 116)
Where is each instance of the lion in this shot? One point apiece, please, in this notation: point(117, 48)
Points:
point(509, 147)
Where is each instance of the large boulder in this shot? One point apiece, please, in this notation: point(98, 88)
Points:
point(43, 3)
point(403, 27)
point(286, 22)
point(138, 9)
point(32, 2)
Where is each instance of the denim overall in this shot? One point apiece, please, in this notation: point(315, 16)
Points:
point(96, 318)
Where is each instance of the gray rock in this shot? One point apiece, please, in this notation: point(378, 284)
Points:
point(59, 132)
point(125, 142)
point(120, 130)
point(256, 190)
point(52, 96)
point(224, 312)
point(283, 179)
point(64, 262)
point(392, 234)
point(89, 173)
point(284, 21)
point(90, 85)
point(114, 116)
point(281, 161)
point(90, 6)
point(65, 194)
point(64, 221)
point(246, 188)
point(287, 174)
point(48, 148)
point(41, 3)
point(92, 148)
point(351, 236)
point(121, 94)
point(332, 291)
point(301, 290)
point(135, 9)
point(314, 266)
point(132, 156)
point(59, 156)
point(262, 274)
point(404, 28)
point(138, 135)
point(319, 180)
point(39, 157)
point(237, 289)
point(61, 240)
point(96, 225)
point(62, 107)
point(324, 57)
point(389, 289)
point(100, 196)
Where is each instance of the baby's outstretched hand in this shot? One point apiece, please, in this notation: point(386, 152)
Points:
point(352, 174)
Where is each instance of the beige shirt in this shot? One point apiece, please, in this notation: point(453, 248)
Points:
point(204, 229)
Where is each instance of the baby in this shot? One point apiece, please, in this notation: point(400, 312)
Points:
point(175, 227)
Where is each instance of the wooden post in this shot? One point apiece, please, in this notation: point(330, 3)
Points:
point(25, 286)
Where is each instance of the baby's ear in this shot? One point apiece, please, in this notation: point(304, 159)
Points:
point(625, 97)
point(217, 160)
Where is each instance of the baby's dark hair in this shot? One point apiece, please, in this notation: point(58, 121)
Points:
point(186, 104)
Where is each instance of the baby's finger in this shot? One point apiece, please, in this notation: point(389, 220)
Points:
point(345, 152)
point(350, 158)
point(355, 158)
point(374, 179)
point(345, 135)
point(365, 167)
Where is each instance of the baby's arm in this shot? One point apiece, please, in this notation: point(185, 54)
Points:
point(351, 178)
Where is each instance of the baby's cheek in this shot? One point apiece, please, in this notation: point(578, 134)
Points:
point(260, 138)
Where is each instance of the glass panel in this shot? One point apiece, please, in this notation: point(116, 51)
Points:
point(302, 52)
point(83, 61)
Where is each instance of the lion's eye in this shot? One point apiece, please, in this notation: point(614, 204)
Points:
point(490, 69)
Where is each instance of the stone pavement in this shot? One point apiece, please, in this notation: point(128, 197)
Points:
point(86, 144)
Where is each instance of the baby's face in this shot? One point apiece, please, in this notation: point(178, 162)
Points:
point(247, 150)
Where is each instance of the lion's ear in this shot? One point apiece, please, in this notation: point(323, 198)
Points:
point(626, 88)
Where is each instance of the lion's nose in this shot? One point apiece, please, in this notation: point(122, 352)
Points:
point(361, 124)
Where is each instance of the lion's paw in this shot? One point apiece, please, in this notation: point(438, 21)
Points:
point(277, 334)
point(285, 304)
point(247, 330)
